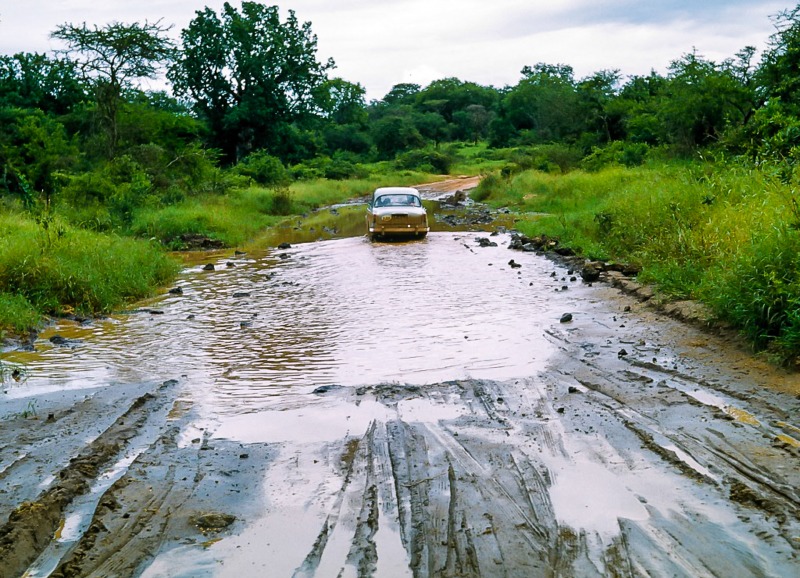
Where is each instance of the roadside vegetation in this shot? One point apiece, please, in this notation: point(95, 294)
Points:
point(690, 174)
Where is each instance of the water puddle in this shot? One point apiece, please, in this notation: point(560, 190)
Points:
point(343, 312)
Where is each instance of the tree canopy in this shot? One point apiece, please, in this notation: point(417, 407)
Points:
point(249, 75)
point(111, 58)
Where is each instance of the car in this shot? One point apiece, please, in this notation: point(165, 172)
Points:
point(396, 212)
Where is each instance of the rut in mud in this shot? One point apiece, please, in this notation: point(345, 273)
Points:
point(342, 408)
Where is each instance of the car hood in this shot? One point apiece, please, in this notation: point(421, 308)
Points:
point(399, 211)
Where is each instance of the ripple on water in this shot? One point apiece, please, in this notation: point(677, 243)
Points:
point(345, 312)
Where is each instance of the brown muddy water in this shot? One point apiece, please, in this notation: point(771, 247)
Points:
point(348, 408)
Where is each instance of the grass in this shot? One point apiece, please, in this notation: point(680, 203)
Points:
point(240, 216)
point(727, 235)
point(62, 270)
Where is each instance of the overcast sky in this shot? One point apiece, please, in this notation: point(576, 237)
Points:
point(379, 43)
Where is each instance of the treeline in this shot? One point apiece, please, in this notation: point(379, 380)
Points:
point(250, 100)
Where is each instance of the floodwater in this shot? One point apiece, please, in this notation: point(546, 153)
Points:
point(343, 312)
point(407, 408)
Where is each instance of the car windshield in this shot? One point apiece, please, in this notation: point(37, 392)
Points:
point(396, 200)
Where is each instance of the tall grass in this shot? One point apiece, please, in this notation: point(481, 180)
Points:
point(47, 272)
point(241, 215)
point(727, 235)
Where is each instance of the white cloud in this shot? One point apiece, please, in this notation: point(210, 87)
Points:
point(382, 44)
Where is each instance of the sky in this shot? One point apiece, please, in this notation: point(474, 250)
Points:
point(380, 43)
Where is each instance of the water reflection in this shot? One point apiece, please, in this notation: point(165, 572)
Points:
point(346, 312)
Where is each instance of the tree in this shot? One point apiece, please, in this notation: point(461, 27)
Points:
point(702, 99)
point(38, 81)
point(780, 67)
point(596, 93)
point(342, 102)
point(545, 103)
point(112, 59)
point(403, 93)
point(250, 76)
point(448, 96)
point(33, 149)
point(395, 133)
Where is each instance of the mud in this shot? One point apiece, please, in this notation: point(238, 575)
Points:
point(290, 415)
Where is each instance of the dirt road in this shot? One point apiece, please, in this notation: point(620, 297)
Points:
point(344, 408)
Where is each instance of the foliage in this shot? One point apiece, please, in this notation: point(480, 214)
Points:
point(263, 168)
point(34, 150)
point(616, 153)
point(249, 75)
point(37, 81)
point(111, 58)
point(80, 270)
point(425, 160)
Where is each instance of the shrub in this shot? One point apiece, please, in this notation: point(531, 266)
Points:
point(492, 185)
point(617, 153)
point(425, 160)
point(263, 168)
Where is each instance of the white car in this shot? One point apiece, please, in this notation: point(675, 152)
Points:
point(396, 211)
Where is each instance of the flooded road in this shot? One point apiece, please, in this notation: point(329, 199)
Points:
point(347, 408)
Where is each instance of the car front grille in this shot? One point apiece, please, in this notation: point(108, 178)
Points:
point(401, 219)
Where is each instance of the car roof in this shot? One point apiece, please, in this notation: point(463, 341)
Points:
point(395, 191)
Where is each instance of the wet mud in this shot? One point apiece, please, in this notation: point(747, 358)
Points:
point(338, 407)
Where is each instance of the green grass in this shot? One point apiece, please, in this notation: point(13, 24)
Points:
point(62, 269)
point(242, 215)
point(727, 235)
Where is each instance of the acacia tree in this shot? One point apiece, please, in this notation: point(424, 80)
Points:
point(112, 58)
point(250, 76)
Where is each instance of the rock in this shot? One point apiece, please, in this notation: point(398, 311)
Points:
point(230, 264)
point(284, 246)
point(565, 251)
point(326, 388)
point(485, 242)
point(212, 521)
point(513, 264)
point(194, 241)
point(590, 273)
point(209, 267)
point(239, 253)
point(176, 291)
point(573, 389)
point(561, 410)
point(284, 256)
point(622, 353)
point(241, 294)
point(515, 244)
point(59, 340)
point(566, 318)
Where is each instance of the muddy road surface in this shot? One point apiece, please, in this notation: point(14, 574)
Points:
point(355, 409)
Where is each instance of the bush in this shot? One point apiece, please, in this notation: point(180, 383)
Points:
point(758, 290)
point(617, 153)
point(263, 168)
point(492, 185)
point(425, 160)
